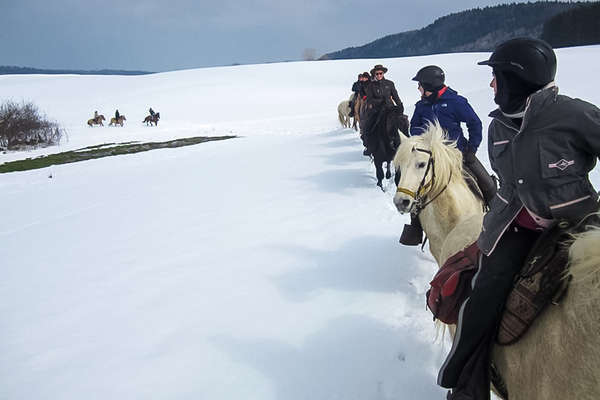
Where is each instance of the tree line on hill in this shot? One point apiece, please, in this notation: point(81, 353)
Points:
point(578, 26)
point(14, 70)
point(481, 29)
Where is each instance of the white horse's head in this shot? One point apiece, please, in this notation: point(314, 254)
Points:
point(424, 164)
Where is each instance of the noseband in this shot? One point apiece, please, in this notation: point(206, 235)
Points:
point(420, 196)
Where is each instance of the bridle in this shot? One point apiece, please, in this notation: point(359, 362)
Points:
point(420, 196)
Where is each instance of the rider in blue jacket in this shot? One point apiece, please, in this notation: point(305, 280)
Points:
point(440, 102)
point(449, 108)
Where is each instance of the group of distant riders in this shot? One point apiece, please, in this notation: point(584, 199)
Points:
point(438, 103)
point(119, 118)
point(541, 146)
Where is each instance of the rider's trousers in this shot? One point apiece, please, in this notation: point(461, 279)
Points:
point(467, 367)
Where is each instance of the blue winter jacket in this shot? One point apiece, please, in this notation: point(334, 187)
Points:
point(450, 109)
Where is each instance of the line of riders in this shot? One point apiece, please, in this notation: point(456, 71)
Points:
point(118, 119)
point(531, 118)
point(439, 103)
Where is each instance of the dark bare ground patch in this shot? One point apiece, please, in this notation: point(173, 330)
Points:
point(99, 151)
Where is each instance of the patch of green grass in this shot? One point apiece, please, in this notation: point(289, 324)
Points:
point(101, 150)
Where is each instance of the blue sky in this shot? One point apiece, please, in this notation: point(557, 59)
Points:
point(159, 35)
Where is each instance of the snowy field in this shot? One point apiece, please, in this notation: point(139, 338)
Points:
point(262, 267)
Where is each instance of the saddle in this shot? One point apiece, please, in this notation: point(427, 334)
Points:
point(543, 280)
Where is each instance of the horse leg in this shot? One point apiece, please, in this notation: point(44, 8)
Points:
point(357, 114)
point(388, 173)
point(341, 118)
point(379, 171)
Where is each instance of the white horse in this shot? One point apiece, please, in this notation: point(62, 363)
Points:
point(559, 357)
point(344, 114)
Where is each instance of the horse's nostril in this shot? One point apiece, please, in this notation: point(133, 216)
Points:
point(405, 203)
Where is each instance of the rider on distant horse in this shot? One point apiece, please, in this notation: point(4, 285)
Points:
point(151, 112)
point(380, 94)
point(358, 89)
point(542, 145)
point(96, 116)
point(440, 102)
point(117, 115)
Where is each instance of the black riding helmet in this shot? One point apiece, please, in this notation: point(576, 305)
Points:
point(532, 60)
point(521, 66)
point(431, 78)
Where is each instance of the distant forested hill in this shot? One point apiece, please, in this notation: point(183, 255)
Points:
point(479, 29)
point(575, 27)
point(12, 70)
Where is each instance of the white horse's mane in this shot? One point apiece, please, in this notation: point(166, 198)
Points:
point(448, 159)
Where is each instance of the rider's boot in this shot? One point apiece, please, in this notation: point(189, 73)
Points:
point(412, 235)
point(458, 396)
point(486, 183)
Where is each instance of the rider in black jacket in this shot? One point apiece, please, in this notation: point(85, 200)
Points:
point(542, 145)
point(380, 93)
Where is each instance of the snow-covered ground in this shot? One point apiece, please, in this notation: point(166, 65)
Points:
point(263, 267)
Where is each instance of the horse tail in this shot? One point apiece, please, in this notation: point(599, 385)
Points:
point(584, 260)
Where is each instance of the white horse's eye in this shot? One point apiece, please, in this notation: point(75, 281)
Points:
point(421, 165)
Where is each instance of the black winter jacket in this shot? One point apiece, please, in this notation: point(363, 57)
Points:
point(381, 93)
point(544, 164)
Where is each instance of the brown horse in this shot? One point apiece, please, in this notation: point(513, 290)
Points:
point(96, 121)
point(152, 118)
point(114, 121)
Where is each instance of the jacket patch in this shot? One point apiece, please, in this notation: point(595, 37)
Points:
point(562, 164)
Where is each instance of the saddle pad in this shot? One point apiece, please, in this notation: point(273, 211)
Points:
point(451, 285)
point(542, 279)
